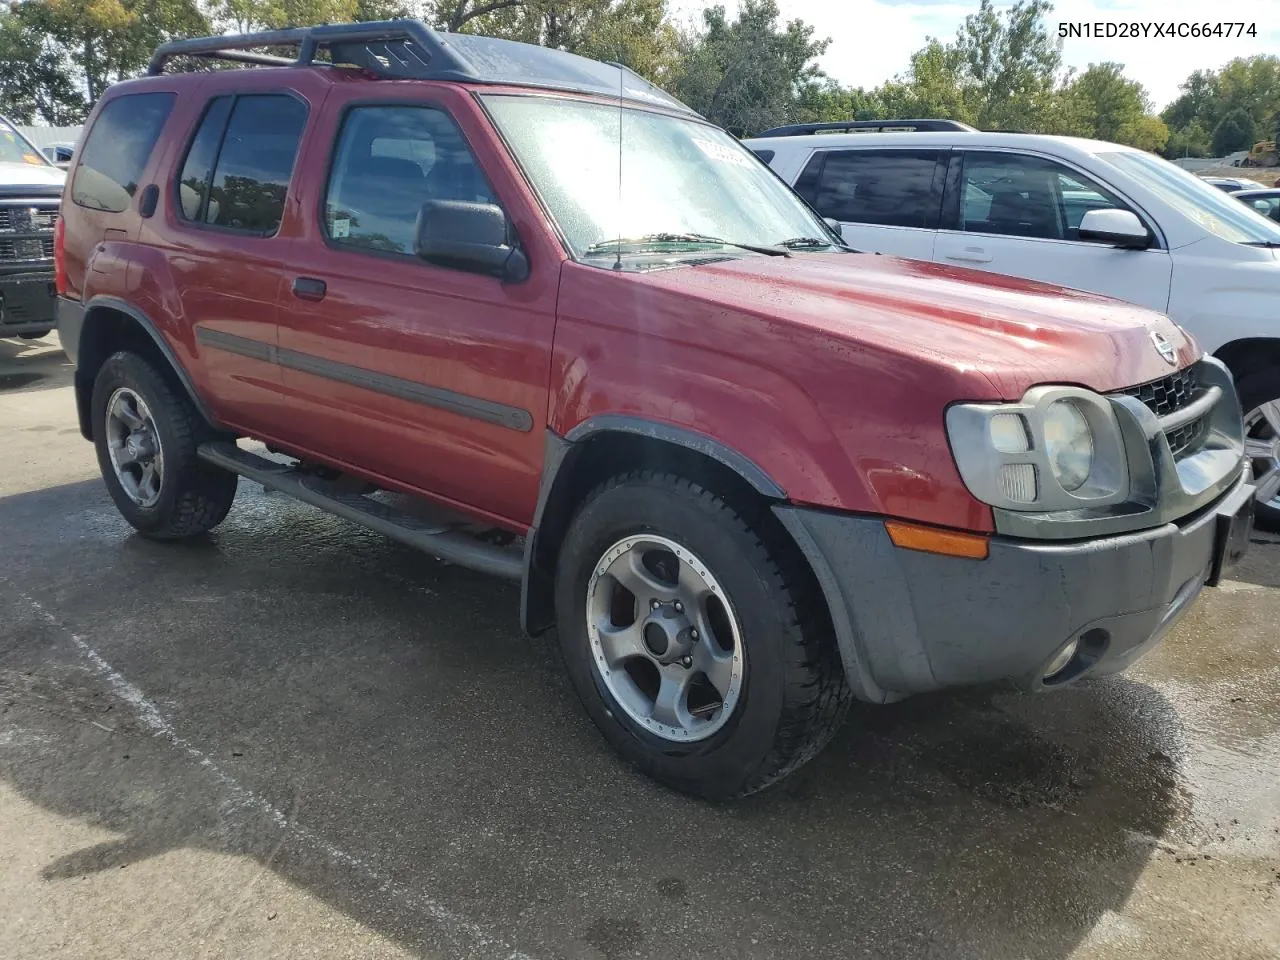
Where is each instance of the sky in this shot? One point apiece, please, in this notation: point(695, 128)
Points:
point(871, 40)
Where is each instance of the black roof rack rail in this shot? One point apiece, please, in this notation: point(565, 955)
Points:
point(409, 49)
point(914, 126)
point(341, 39)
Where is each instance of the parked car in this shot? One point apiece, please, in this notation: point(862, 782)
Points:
point(59, 154)
point(29, 190)
point(745, 473)
point(1231, 184)
point(1082, 213)
point(1266, 202)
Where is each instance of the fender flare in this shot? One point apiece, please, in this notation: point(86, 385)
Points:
point(536, 593)
point(84, 382)
point(680, 437)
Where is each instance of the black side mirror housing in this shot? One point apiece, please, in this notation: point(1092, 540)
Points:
point(470, 236)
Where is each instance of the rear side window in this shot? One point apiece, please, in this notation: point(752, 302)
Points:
point(765, 155)
point(388, 162)
point(238, 166)
point(117, 149)
point(894, 188)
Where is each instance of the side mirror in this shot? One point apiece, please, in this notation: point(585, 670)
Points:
point(835, 226)
point(1121, 228)
point(470, 236)
point(1262, 206)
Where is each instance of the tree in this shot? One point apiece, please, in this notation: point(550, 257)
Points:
point(1146, 133)
point(1234, 132)
point(1191, 141)
point(637, 33)
point(750, 74)
point(1197, 104)
point(1251, 84)
point(36, 85)
point(1108, 103)
point(1002, 71)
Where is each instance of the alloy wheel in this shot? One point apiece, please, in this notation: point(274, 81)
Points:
point(134, 445)
point(664, 638)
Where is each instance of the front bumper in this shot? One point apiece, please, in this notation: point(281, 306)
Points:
point(908, 621)
point(26, 300)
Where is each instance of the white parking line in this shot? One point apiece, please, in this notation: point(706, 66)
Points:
point(456, 927)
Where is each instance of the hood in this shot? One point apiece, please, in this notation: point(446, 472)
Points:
point(1017, 333)
point(15, 176)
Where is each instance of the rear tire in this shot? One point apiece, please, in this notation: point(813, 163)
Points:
point(146, 434)
point(778, 709)
point(1260, 399)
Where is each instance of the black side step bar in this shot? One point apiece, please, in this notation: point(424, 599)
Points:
point(441, 540)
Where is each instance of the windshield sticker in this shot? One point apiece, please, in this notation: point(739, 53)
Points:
point(721, 153)
point(341, 228)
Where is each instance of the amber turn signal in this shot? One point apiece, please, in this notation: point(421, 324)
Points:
point(911, 536)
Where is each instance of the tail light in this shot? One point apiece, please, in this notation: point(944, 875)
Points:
point(60, 257)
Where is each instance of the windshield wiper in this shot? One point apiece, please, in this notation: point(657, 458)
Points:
point(617, 245)
point(1261, 243)
point(809, 243)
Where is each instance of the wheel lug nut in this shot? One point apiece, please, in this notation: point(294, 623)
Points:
point(693, 634)
point(686, 662)
point(679, 607)
point(653, 604)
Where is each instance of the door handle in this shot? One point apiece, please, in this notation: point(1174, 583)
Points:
point(308, 288)
point(970, 255)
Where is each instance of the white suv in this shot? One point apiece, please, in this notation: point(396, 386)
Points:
point(1078, 213)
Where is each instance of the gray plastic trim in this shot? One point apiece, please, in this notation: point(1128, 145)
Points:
point(145, 322)
point(477, 408)
point(682, 437)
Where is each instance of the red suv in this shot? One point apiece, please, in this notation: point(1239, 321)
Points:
point(746, 472)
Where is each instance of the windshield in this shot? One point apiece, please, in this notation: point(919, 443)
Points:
point(682, 182)
point(14, 148)
point(1220, 213)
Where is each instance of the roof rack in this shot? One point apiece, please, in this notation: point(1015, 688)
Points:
point(912, 126)
point(409, 49)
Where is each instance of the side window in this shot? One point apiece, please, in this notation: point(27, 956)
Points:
point(1268, 207)
point(807, 183)
point(893, 188)
point(1022, 196)
point(241, 158)
point(765, 155)
point(197, 170)
point(387, 163)
point(117, 149)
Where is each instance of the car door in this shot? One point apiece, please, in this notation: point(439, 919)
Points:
point(224, 251)
point(1019, 214)
point(887, 200)
point(431, 377)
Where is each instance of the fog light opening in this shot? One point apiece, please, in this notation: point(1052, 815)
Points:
point(1061, 661)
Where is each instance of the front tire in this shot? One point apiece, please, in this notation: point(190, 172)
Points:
point(146, 435)
point(1260, 399)
point(701, 651)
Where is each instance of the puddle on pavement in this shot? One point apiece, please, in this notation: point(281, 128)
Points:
point(1220, 669)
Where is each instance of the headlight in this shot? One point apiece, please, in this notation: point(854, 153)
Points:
point(1068, 443)
point(1059, 448)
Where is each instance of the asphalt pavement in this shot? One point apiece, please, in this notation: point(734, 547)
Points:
point(297, 739)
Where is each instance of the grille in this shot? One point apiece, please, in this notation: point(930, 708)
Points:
point(27, 219)
point(1169, 395)
point(24, 250)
